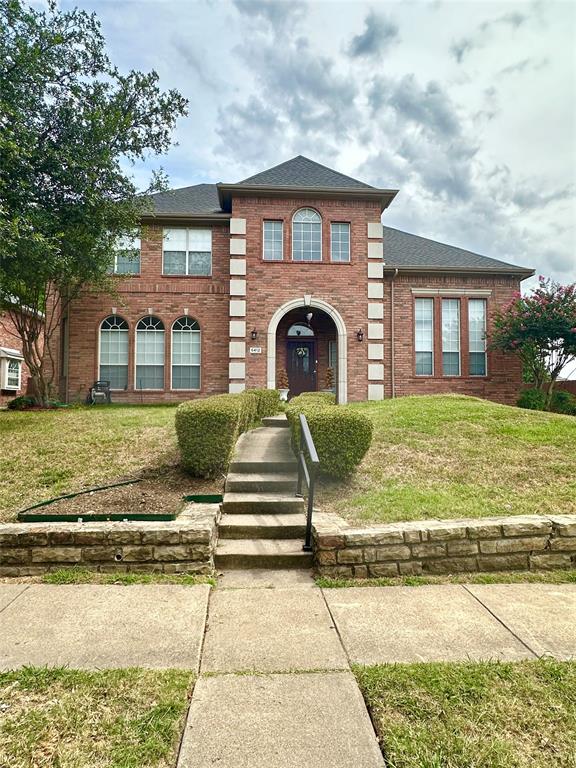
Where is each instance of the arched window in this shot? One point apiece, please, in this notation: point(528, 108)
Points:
point(150, 353)
point(114, 352)
point(307, 235)
point(185, 354)
point(300, 329)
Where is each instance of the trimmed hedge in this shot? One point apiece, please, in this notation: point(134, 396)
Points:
point(207, 429)
point(341, 434)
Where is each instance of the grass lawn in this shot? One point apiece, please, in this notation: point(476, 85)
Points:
point(114, 719)
point(48, 453)
point(455, 456)
point(474, 715)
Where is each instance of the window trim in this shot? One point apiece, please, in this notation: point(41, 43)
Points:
point(485, 302)
point(177, 389)
point(276, 221)
point(99, 359)
point(458, 300)
point(321, 222)
point(5, 363)
point(433, 350)
point(349, 259)
point(187, 274)
point(148, 389)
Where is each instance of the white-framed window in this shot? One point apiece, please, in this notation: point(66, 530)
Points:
point(150, 353)
point(113, 363)
point(186, 353)
point(339, 241)
point(127, 256)
point(477, 336)
point(306, 235)
point(187, 252)
point(424, 336)
point(451, 337)
point(333, 358)
point(10, 370)
point(272, 240)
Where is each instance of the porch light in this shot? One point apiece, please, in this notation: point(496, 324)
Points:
point(360, 334)
point(253, 334)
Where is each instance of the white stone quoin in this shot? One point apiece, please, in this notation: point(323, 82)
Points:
point(375, 290)
point(375, 330)
point(237, 287)
point(237, 266)
point(234, 387)
point(237, 246)
point(237, 370)
point(375, 230)
point(375, 391)
point(237, 226)
point(237, 308)
point(375, 311)
point(375, 351)
point(375, 372)
point(238, 329)
point(375, 250)
point(237, 349)
point(375, 270)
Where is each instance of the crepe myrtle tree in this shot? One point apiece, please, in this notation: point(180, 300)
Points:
point(70, 124)
point(541, 329)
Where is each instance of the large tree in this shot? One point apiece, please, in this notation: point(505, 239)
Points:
point(70, 123)
point(541, 329)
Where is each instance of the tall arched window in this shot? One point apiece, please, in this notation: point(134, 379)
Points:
point(185, 354)
point(307, 235)
point(150, 353)
point(114, 352)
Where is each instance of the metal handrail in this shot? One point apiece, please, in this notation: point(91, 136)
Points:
point(308, 474)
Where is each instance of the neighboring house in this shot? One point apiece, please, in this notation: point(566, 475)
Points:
point(292, 269)
point(14, 374)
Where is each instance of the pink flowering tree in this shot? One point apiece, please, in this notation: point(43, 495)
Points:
point(541, 329)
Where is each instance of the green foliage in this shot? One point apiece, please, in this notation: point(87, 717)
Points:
point(341, 434)
point(541, 330)
point(70, 122)
point(563, 402)
point(21, 403)
point(533, 399)
point(207, 429)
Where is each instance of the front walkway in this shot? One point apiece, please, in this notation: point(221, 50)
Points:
point(275, 687)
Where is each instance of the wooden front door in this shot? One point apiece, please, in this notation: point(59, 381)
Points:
point(301, 365)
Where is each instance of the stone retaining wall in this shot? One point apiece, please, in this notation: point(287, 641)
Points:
point(443, 546)
point(184, 545)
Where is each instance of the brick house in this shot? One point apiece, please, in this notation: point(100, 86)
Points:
point(14, 373)
point(289, 269)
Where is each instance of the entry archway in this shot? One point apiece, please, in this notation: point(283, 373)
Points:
point(342, 368)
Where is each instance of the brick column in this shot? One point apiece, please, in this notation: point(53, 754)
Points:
point(375, 312)
point(237, 309)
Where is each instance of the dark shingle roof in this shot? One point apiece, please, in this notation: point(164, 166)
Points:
point(199, 199)
point(401, 249)
point(302, 172)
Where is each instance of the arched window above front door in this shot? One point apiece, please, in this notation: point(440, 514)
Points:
point(306, 235)
point(300, 329)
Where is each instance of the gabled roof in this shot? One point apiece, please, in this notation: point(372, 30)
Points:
point(302, 172)
point(200, 199)
point(405, 251)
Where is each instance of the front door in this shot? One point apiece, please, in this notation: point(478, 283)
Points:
point(301, 365)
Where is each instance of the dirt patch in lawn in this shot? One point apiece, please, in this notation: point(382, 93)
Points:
point(150, 496)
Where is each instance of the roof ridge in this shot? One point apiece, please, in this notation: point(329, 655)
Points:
point(308, 161)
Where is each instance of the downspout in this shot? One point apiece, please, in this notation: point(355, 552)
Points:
point(392, 350)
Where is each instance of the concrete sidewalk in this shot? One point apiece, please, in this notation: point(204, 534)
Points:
point(275, 687)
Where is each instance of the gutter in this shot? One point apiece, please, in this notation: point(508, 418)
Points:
point(226, 191)
point(522, 272)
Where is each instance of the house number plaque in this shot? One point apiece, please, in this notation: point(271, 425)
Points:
point(255, 350)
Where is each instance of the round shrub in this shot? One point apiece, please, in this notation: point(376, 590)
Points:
point(267, 402)
point(533, 399)
point(563, 402)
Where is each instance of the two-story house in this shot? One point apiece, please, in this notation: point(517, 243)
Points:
point(290, 269)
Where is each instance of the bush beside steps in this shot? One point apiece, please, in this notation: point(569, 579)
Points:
point(207, 429)
point(342, 435)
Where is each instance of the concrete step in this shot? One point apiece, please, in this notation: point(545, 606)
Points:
point(255, 503)
point(286, 526)
point(262, 553)
point(258, 482)
point(276, 421)
point(265, 449)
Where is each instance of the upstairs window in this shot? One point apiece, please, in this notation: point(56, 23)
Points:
point(273, 232)
point(185, 354)
point(150, 353)
point(424, 336)
point(187, 252)
point(340, 242)
point(477, 336)
point(114, 352)
point(127, 256)
point(307, 235)
point(451, 337)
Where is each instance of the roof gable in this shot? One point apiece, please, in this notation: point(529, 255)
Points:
point(302, 172)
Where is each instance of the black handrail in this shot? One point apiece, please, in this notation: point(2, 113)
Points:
point(308, 474)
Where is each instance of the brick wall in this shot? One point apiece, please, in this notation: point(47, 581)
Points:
point(534, 542)
point(9, 338)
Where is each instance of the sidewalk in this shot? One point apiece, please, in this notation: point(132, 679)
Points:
point(275, 687)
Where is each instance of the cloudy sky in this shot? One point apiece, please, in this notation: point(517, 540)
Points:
point(469, 108)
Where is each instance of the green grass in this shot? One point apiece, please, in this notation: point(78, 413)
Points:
point(497, 577)
point(449, 456)
point(48, 453)
point(59, 718)
point(84, 576)
point(474, 715)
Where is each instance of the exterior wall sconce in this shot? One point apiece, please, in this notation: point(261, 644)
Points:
point(360, 334)
point(253, 334)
